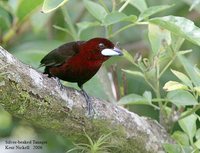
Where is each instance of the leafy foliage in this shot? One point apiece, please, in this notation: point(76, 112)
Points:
point(101, 145)
point(162, 74)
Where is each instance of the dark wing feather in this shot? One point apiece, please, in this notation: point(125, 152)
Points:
point(61, 54)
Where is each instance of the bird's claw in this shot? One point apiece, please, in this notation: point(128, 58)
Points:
point(89, 106)
point(61, 86)
point(90, 109)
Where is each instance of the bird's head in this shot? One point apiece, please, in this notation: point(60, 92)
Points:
point(100, 49)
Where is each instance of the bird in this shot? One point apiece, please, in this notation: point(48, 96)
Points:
point(79, 61)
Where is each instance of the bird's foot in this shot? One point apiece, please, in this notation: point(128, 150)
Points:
point(61, 86)
point(90, 109)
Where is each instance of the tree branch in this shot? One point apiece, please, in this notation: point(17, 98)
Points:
point(30, 95)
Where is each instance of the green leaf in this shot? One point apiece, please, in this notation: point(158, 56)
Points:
point(189, 68)
point(139, 4)
point(5, 19)
point(175, 148)
point(137, 73)
point(130, 18)
point(188, 125)
point(173, 85)
point(116, 17)
point(158, 37)
point(180, 26)
point(13, 4)
point(95, 9)
point(197, 144)
point(172, 148)
point(181, 138)
point(168, 110)
point(197, 135)
point(197, 89)
point(148, 96)
point(197, 71)
point(177, 42)
point(51, 5)
point(39, 21)
point(113, 18)
point(183, 78)
point(132, 99)
point(153, 10)
point(181, 98)
point(85, 25)
point(26, 8)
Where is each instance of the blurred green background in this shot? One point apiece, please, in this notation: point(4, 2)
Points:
point(29, 34)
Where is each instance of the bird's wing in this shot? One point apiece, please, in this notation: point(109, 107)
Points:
point(61, 54)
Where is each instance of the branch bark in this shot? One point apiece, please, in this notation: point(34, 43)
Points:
point(28, 94)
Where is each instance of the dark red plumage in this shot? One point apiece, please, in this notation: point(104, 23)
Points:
point(78, 61)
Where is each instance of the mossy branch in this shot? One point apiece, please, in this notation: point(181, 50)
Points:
point(30, 95)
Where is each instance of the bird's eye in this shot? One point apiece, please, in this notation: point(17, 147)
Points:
point(101, 45)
